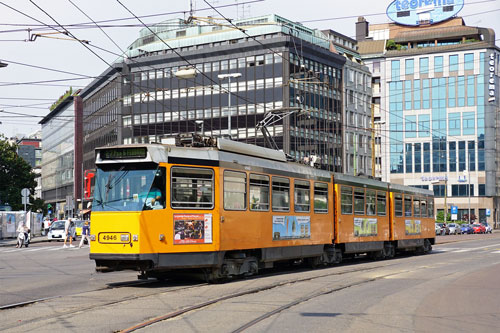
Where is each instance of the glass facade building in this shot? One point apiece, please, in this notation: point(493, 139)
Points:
point(440, 114)
point(281, 65)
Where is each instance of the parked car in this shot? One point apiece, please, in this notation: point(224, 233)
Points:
point(454, 228)
point(56, 230)
point(445, 230)
point(467, 229)
point(479, 228)
point(439, 230)
point(488, 228)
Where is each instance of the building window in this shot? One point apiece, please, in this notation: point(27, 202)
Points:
point(427, 157)
point(470, 90)
point(452, 156)
point(424, 65)
point(438, 64)
point(408, 94)
point(416, 94)
point(469, 61)
point(468, 119)
point(481, 190)
point(454, 63)
point(376, 67)
point(411, 127)
point(461, 91)
point(452, 87)
point(418, 157)
point(395, 70)
point(409, 153)
point(425, 94)
point(460, 190)
point(409, 66)
point(461, 155)
point(454, 123)
point(472, 155)
point(480, 155)
point(424, 124)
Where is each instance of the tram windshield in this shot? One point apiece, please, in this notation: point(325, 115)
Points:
point(129, 188)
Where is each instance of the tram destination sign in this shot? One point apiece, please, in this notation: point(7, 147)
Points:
point(123, 153)
point(423, 12)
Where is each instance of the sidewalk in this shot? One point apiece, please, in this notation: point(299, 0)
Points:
point(6, 242)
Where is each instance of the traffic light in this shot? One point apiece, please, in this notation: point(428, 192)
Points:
point(88, 183)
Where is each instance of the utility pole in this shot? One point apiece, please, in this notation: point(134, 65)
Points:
point(373, 140)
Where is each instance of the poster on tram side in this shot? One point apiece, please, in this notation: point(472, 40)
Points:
point(365, 227)
point(192, 228)
point(412, 227)
point(291, 227)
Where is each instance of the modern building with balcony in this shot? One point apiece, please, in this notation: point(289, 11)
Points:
point(435, 92)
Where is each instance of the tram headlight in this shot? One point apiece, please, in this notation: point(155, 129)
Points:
point(135, 238)
point(125, 237)
point(92, 238)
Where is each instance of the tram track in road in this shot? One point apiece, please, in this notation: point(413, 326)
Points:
point(205, 304)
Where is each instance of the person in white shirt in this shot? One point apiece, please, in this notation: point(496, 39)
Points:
point(68, 231)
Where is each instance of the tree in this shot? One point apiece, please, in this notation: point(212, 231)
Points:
point(15, 174)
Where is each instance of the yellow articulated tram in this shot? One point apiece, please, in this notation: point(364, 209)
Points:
point(230, 209)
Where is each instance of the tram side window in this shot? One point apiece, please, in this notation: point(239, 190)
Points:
point(320, 198)
point(235, 190)
point(281, 194)
point(359, 201)
point(346, 200)
point(416, 207)
point(302, 195)
point(423, 208)
point(370, 202)
point(192, 188)
point(398, 205)
point(407, 205)
point(430, 208)
point(381, 203)
point(259, 192)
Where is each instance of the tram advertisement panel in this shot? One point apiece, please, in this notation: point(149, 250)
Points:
point(365, 227)
point(291, 227)
point(412, 227)
point(192, 228)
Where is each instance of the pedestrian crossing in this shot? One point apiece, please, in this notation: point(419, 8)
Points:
point(7, 249)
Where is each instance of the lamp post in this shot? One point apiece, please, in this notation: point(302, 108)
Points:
point(229, 76)
point(467, 174)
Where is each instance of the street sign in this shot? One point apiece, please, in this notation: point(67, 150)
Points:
point(454, 213)
point(25, 192)
point(488, 212)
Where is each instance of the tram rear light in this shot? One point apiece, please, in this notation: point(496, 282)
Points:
point(92, 238)
point(125, 238)
point(135, 238)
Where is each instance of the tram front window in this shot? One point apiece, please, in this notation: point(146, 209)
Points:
point(129, 188)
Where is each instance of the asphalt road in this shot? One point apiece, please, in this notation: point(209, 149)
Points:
point(452, 289)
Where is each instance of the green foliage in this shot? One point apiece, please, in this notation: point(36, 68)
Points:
point(62, 98)
point(440, 216)
point(15, 174)
point(391, 45)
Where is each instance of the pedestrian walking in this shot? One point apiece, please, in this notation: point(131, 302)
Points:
point(69, 231)
point(85, 233)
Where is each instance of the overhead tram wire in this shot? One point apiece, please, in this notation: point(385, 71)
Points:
point(126, 18)
point(86, 46)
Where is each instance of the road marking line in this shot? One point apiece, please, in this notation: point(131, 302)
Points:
point(463, 250)
point(32, 250)
point(12, 250)
point(495, 252)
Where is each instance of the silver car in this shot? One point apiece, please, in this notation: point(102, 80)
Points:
point(455, 229)
point(56, 230)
